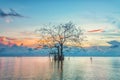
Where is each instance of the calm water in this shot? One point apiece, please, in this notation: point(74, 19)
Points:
point(43, 68)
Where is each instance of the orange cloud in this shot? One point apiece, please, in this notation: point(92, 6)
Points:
point(96, 30)
point(19, 42)
point(27, 42)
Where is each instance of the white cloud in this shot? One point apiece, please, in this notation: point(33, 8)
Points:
point(8, 20)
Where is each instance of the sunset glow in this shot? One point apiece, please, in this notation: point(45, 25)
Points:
point(18, 22)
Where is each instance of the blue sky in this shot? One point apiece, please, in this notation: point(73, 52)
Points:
point(45, 11)
point(89, 14)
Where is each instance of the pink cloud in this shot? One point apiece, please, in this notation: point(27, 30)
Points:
point(96, 30)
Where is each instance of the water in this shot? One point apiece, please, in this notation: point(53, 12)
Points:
point(75, 68)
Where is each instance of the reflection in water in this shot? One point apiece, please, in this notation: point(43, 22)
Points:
point(60, 69)
point(43, 68)
point(25, 69)
point(91, 60)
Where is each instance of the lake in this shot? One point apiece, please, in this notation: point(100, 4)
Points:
point(73, 68)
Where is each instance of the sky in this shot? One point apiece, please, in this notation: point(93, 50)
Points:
point(99, 18)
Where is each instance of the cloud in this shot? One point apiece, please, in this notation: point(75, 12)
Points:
point(11, 13)
point(96, 30)
point(8, 20)
point(27, 33)
point(114, 21)
point(21, 50)
point(28, 42)
point(114, 44)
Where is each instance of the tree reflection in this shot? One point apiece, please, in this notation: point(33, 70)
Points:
point(91, 60)
point(58, 69)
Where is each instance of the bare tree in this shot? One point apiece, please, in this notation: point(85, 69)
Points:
point(60, 35)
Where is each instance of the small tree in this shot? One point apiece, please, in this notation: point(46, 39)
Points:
point(63, 34)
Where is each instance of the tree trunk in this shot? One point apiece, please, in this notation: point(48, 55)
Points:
point(58, 52)
point(61, 50)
